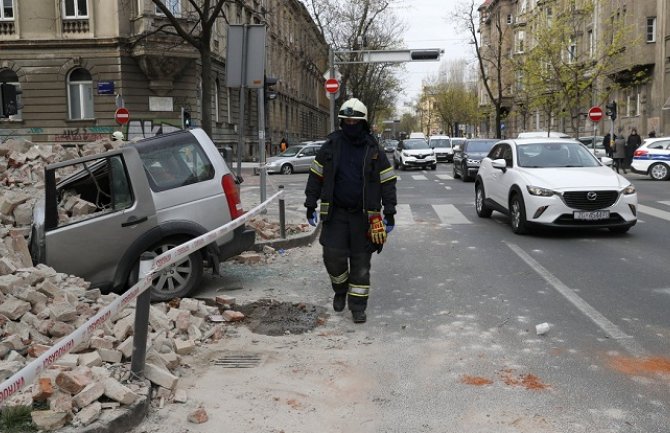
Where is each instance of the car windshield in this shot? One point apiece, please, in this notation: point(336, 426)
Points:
point(439, 142)
point(415, 143)
point(545, 155)
point(480, 146)
point(291, 151)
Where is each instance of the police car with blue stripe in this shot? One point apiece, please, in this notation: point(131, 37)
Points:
point(653, 158)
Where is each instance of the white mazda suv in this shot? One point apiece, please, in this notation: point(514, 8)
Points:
point(553, 182)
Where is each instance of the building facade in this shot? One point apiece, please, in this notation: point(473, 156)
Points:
point(638, 78)
point(74, 62)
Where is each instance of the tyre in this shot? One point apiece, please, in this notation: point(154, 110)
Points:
point(433, 167)
point(178, 279)
point(483, 211)
point(456, 175)
point(286, 169)
point(517, 214)
point(659, 171)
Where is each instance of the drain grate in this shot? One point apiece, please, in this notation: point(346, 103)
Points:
point(238, 361)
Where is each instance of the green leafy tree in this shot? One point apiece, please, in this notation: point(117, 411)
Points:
point(455, 97)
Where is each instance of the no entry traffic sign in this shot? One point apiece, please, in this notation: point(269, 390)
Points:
point(122, 116)
point(595, 114)
point(332, 85)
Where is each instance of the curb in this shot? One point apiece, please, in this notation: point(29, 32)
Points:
point(299, 240)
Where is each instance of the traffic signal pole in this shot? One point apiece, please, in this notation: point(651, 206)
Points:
point(331, 97)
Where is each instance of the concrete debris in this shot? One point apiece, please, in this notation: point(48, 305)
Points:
point(39, 307)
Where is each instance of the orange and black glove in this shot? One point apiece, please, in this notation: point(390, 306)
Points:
point(377, 230)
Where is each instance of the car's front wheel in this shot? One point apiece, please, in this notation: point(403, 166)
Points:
point(286, 169)
point(659, 171)
point(464, 173)
point(178, 279)
point(456, 175)
point(517, 214)
point(483, 211)
point(433, 167)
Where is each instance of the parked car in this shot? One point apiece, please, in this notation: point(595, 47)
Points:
point(294, 159)
point(653, 158)
point(468, 156)
point(441, 145)
point(414, 152)
point(101, 212)
point(555, 183)
point(598, 148)
point(389, 145)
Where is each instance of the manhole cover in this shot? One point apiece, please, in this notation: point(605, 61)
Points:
point(238, 361)
point(270, 317)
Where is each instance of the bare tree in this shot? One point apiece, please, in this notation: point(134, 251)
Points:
point(455, 96)
point(351, 26)
point(196, 29)
point(490, 55)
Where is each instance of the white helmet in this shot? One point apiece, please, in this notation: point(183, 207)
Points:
point(353, 109)
point(117, 135)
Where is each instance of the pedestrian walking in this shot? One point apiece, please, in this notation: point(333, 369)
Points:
point(355, 183)
point(652, 134)
point(283, 145)
point(619, 150)
point(632, 143)
point(607, 144)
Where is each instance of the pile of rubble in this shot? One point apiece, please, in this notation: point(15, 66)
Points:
point(39, 306)
point(268, 230)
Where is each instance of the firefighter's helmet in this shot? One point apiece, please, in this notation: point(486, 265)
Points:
point(117, 135)
point(353, 109)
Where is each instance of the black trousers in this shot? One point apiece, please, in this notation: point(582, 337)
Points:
point(347, 254)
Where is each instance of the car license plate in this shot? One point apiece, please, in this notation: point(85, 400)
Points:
point(591, 215)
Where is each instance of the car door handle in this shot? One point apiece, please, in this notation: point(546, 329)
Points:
point(132, 221)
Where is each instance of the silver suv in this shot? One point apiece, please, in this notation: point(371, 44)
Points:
point(101, 212)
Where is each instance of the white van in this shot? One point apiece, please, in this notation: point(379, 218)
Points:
point(442, 146)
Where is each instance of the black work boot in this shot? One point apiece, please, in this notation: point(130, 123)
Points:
point(339, 301)
point(359, 316)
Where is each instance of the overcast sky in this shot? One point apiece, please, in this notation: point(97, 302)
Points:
point(430, 25)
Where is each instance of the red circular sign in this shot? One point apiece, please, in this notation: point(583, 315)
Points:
point(122, 116)
point(332, 85)
point(595, 114)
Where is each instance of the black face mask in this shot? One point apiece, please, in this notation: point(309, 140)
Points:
point(354, 131)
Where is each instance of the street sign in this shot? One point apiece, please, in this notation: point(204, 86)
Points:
point(332, 85)
point(122, 115)
point(595, 114)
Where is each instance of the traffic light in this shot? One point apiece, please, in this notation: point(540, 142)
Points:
point(270, 88)
point(9, 104)
point(610, 110)
point(432, 54)
point(185, 118)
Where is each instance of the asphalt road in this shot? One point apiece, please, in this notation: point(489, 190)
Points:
point(456, 299)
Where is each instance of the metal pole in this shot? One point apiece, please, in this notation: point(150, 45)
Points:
point(142, 306)
point(243, 92)
point(331, 96)
point(282, 214)
point(261, 139)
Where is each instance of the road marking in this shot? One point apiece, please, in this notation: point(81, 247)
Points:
point(403, 215)
point(419, 177)
point(654, 212)
point(448, 214)
point(444, 177)
point(626, 341)
point(665, 202)
point(448, 188)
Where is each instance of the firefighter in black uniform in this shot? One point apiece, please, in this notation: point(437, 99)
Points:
point(353, 178)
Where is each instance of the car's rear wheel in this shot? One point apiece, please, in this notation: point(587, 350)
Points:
point(659, 171)
point(178, 279)
point(517, 214)
point(483, 211)
point(286, 169)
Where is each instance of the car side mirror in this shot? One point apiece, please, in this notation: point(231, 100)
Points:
point(606, 160)
point(500, 164)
